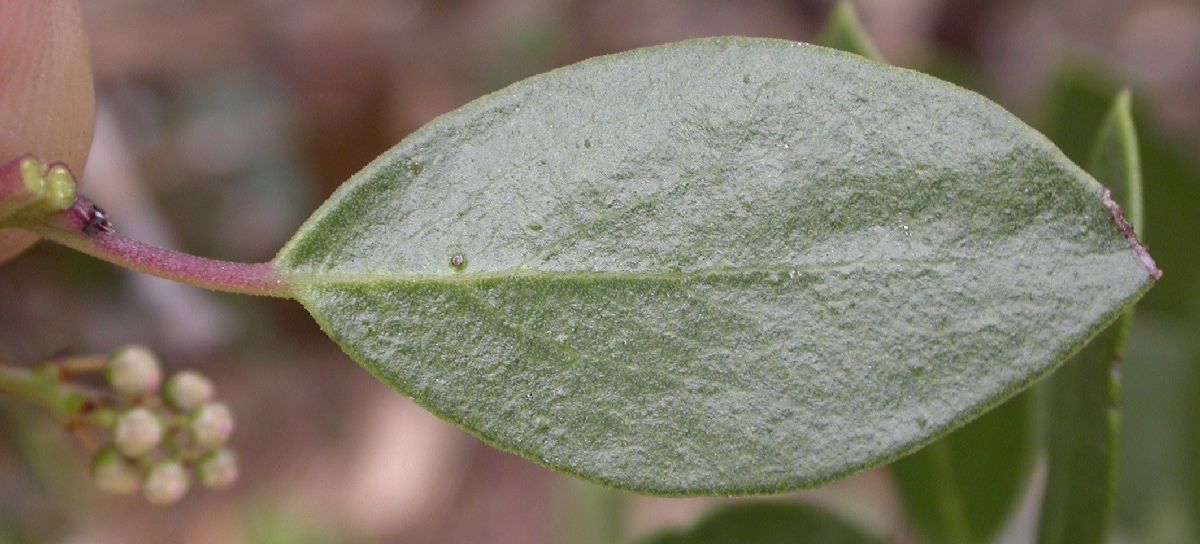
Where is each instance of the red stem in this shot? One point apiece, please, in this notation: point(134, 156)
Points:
point(82, 228)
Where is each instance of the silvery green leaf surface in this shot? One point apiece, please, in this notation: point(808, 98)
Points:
point(962, 487)
point(719, 266)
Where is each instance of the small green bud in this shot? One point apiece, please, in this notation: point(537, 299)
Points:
point(166, 482)
point(133, 371)
point(137, 432)
point(188, 390)
point(60, 188)
point(211, 425)
point(33, 173)
point(218, 469)
point(114, 473)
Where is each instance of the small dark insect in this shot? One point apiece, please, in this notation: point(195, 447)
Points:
point(96, 221)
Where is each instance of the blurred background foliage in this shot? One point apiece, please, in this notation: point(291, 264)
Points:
point(223, 123)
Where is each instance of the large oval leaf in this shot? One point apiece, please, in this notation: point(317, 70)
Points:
point(719, 266)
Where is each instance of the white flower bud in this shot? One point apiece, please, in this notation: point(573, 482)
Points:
point(211, 425)
point(218, 469)
point(187, 390)
point(114, 473)
point(166, 482)
point(137, 432)
point(133, 371)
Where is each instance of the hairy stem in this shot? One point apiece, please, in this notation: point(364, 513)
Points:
point(76, 228)
point(79, 364)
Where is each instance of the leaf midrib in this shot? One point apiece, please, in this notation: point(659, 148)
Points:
point(315, 278)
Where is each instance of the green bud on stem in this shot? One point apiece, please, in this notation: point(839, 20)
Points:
point(60, 188)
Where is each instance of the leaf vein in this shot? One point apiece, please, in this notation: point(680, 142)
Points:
point(517, 273)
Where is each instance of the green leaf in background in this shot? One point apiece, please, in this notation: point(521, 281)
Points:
point(962, 488)
point(1078, 101)
point(1158, 413)
point(1157, 388)
point(1116, 162)
point(1191, 440)
point(1082, 398)
point(844, 31)
point(590, 514)
point(718, 266)
point(768, 523)
point(1076, 106)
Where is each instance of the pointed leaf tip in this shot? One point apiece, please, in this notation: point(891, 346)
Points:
point(1115, 161)
point(1083, 424)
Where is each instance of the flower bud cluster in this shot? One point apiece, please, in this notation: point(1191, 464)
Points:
point(162, 433)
